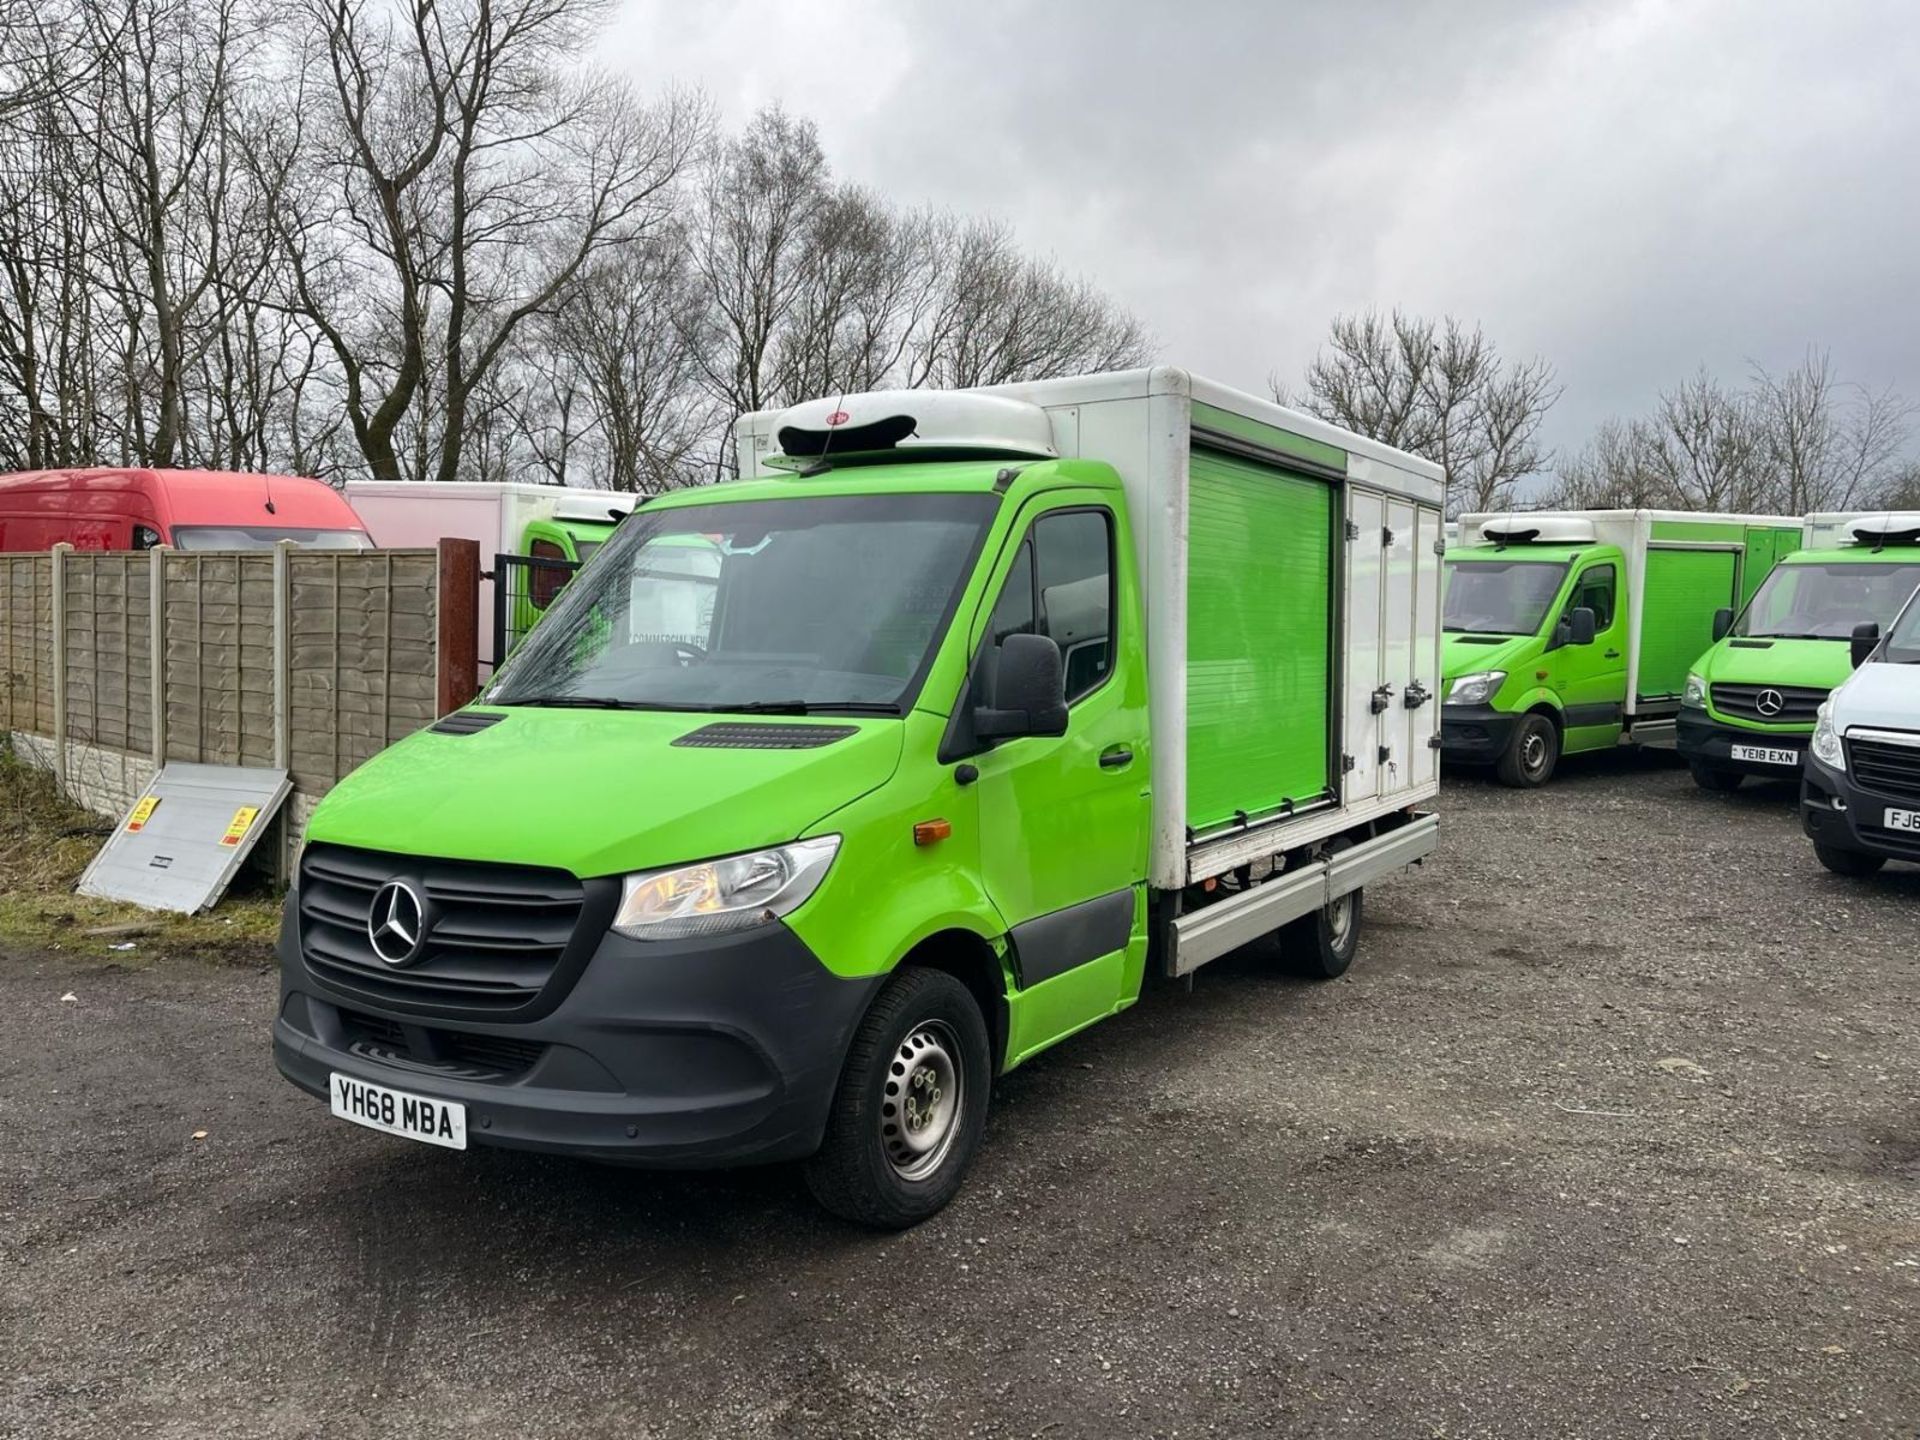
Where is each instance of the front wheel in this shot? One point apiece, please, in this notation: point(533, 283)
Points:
point(1712, 777)
point(1531, 754)
point(1856, 864)
point(911, 1105)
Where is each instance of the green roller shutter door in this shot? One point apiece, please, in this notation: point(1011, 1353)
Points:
point(1684, 588)
point(1259, 626)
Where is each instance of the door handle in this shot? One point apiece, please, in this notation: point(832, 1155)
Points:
point(1115, 756)
point(1611, 655)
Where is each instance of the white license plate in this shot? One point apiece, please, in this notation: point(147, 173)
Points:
point(1765, 755)
point(416, 1117)
point(1903, 820)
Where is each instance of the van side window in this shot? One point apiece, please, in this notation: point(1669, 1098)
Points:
point(543, 584)
point(145, 537)
point(1073, 563)
point(1594, 589)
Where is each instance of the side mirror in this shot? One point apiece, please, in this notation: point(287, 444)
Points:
point(1722, 623)
point(1580, 626)
point(1029, 691)
point(1866, 640)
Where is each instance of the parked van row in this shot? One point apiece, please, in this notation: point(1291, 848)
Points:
point(1571, 631)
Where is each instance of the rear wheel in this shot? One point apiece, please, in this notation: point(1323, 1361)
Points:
point(1855, 863)
point(1322, 945)
point(1714, 777)
point(911, 1105)
point(1531, 754)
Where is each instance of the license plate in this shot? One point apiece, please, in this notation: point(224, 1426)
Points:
point(1765, 755)
point(415, 1117)
point(1903, 820)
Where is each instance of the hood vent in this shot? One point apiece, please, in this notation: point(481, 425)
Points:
point(734, 736)
point(465, 722)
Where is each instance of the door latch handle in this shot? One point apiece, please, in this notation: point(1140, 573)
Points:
point(1382, 698)
point(1415, 696)
point(1113, 759)
point(1611, 655)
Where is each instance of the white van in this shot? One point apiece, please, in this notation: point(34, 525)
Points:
point(1860, 784)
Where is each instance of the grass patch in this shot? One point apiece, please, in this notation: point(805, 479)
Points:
point(46, 841)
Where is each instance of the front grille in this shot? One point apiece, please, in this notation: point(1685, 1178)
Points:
point(1886, 769)
point(495, 935)
point(1796, 703)
point(447, 1052)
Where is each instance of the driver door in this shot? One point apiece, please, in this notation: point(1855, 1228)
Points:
point(1592, 679)
point(1064, 819)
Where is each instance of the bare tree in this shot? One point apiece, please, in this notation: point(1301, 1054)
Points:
point(1000, 316)
point(461, 164)
point(1786, 444)
point(1827, 445)
point(1439, 390)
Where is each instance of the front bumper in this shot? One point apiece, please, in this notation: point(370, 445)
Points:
point(1836, 812)
point(671, 1053)
point(1475, 734)
point(1700, 737)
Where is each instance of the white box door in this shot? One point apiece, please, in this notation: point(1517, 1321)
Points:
point(1360, 734)
point(1423, 720)
point(1396, 645)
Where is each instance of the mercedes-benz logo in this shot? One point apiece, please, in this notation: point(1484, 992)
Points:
point(397, 922)
point(1769, 702)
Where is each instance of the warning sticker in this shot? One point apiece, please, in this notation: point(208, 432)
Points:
point(142, 813)
point(243, 819)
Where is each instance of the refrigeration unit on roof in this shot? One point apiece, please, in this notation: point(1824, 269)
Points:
point(1892, 527)
point(1537, 530)
point(903, 425)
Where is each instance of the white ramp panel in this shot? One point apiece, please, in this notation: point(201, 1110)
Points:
point(185, 839)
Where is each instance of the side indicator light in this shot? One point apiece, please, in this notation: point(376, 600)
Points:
point(932, 832)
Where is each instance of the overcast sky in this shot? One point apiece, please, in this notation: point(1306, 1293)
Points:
point(1629, 189)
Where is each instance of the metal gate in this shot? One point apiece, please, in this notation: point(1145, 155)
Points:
point(524, 587)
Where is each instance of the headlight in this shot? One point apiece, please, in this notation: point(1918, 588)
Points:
point(717, 896)
point(1695, 693)
point(1476, 689)
point(1827, 748)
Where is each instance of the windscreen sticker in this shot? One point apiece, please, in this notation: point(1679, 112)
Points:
point(143, 812)
point(243, 819)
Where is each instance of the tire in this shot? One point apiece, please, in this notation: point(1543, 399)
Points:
point(924, 1039)
point(1322, 945)
point(1712, 777)
point(1531, 754)
point(1856, 864)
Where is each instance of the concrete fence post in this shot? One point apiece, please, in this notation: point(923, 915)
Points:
point(157, 650)
point(60, 554)
point(282, 653)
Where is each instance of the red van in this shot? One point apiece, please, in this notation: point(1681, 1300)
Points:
point(120, 509)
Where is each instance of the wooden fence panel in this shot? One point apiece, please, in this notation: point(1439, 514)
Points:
point(26, 643)
point(361, 658)
point(108, 651)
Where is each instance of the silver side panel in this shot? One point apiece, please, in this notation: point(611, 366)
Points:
point(1210, 933)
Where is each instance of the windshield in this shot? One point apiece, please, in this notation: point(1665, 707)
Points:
point(812, 603)
point(1825, 602)
point(265, 537)
point(1500, 597)
point(1903, 640)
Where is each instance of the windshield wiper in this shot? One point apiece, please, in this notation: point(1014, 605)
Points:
point(1469, 630)
point(578, 702)
point(805, 707)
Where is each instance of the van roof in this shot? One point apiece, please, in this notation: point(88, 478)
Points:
point(206, 497)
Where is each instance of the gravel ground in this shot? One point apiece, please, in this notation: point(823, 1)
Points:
point(1613, 1129)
